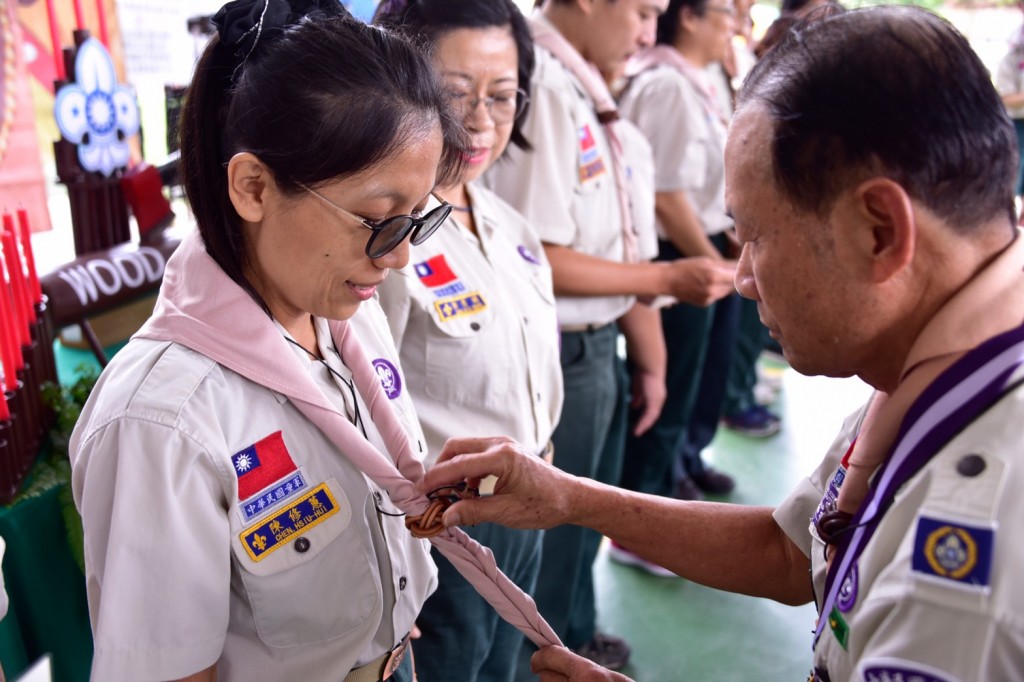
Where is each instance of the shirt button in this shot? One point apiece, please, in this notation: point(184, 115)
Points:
point(402, 583)
point(475, 326)
point(970, 465)
point(302, 545)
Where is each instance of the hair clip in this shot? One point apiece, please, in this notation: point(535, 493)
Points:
point(258, 27)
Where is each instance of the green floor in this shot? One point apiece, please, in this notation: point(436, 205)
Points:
point(681, 631)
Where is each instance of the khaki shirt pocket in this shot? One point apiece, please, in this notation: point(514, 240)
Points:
point(308, 572)
point(454, 367)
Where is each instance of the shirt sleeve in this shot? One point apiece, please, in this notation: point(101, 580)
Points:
point(795, 512)
point(158, 599)
point(665, 110)
point(1007, 74)
point(541, 183)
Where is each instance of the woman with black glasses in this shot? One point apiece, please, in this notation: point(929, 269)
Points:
point(473, 316)
point(245, 463)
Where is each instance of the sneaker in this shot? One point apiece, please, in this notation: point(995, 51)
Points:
point(766, 394)
point(686, 489)
point(607, 651)
point(621, 555)
point(713, 482)
point(755, 422)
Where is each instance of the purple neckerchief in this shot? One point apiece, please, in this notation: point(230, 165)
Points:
point(201, 308)
point(956, 398)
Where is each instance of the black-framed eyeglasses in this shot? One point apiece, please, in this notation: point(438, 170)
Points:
point(389, 233)
point(503, 107)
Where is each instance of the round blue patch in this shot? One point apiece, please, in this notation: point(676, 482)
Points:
point(389, 377)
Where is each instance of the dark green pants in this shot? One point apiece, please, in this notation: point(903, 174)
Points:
point(463, 636)
point(699, 343)
point(588, 442)
point(751, 339)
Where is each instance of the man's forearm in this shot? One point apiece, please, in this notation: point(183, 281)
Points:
point(579, 274)
point(645, 342)
point(730, 547)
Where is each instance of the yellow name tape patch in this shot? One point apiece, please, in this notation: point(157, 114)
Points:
point(460, 306)
point(275, 531)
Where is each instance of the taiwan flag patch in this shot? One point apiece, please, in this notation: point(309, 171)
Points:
point(434, 272)
point(261, 464)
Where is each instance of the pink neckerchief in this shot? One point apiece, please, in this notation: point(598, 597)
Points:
point(200, 308)
point(665, 55)
point(990, 304)
point(548, 37)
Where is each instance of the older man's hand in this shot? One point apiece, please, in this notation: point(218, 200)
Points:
point(558, 664)
point(529, 493)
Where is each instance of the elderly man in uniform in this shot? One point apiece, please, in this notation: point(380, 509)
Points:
point(870, 170)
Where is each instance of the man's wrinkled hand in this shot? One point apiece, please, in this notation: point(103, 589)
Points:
point(528, 493)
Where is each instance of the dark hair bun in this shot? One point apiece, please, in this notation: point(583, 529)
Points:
point(242, 23)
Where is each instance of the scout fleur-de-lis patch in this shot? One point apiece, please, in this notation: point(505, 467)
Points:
point(305, 514)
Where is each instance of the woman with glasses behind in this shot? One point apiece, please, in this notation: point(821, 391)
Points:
point(473, 315)
point(240, 469)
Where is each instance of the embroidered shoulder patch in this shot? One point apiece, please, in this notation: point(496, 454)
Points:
point(275, 531)
point(953, 551)
point(390, 379)
point(460, 306)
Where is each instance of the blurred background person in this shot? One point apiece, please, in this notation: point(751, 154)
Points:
point(1010, 85)
point(573, 189)
point(671, 98)
point(473, 316)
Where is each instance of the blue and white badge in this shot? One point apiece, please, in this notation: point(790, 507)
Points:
point(449, 290)
point(389, 377)
point(954, 552)
point(267, 499)
point(831, 496)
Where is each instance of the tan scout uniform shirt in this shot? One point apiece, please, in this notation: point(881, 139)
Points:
point(474, 318)
point(173, 588)
point(1010, 77)
point(565, 187)
point(688, 141)
point(905, 619)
